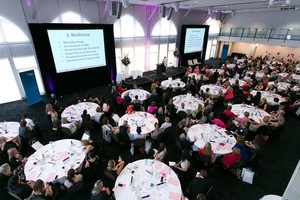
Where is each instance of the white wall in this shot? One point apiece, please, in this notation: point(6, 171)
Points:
point(262, 49)
point(280, 19)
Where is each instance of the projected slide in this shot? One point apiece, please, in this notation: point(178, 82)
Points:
point(194, 39)
point(77, 49)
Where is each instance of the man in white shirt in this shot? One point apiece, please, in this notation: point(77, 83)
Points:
point(165, 125)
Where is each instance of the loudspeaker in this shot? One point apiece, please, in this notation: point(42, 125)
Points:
point(170, 13)
point(162, 11)
point(115, 9)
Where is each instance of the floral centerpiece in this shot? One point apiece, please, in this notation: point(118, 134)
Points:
point(125, 61)
point(176, 53)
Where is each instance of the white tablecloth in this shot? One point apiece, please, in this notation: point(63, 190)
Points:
point(139, 119)
point(221, 143)
point(9, 130)
point(254, 113)
point(54, 160)
point(296, 77)
point(221, 71)
point(271, 197)
point(282, 86)
point(146, 176)
point(197, 76)
point(142, 94)
point(174, 83)
point(191, 102)
point(213, 89)
point(74, 112)
point(269, 96)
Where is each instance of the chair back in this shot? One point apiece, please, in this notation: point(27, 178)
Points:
point(139, 143)
point(106, 134)
point(205, 159)
point(236, 165)
point(14, 195)
point(66, 131)
point(76, 187)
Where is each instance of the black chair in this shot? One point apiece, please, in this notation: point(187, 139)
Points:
point(66, 132)
point(205, 160)
point(14, 196)
point(235, 166)
point(137, 107)
point(76, 187)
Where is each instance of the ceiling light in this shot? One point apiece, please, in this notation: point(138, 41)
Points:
point(209, 11)
point(271, 3)
point(288, 2)
point(176, 6)
point(125, 3)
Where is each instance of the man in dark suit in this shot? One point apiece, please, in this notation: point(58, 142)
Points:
point(200, 184)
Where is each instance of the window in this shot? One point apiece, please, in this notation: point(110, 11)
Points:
point(8, 86)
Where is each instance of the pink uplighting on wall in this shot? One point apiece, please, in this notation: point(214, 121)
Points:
point(28, 3)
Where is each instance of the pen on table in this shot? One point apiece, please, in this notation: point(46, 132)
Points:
point(30, 169)
point(66, 159)
point(146, 196)
point(131, 179)
point(39, 174)
point(160, 183)
point(148, 172)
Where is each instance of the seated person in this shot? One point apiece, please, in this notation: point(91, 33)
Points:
point(255, 145)
point(136, 100)
point(196, 70)
point(200, 184)
point(240, 144)
point(183, 166)
point(206, 150)
point(165, 125)
point(5, 174)
point(25, 134)
point(22, 190)
point(98, 115)
point(99, 192)
point(91, 166)
point(152, 108)
point(69, 125)
point(228, 159)
point(40, 191)
point(278, 120)
point(4, 146)
point(160, 153)
point(15, 158)
point(86, 119)
point(72, 177)
point(113, 170)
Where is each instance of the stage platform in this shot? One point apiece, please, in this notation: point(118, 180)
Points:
point(149, 76)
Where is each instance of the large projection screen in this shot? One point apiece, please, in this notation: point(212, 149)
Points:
point(77, 49)
point(194, 40)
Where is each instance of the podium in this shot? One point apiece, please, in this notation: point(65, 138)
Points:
point(160, 68)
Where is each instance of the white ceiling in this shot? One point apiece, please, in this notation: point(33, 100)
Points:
point(225, 6)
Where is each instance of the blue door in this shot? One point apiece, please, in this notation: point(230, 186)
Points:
point(224, 51)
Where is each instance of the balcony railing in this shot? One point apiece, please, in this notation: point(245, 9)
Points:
point(262, 33)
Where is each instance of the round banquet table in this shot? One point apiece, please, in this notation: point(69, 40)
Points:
point(213, 89)
point(54, 160)
point(191, 102)
point(142, 94)
point(221, 143)
point(296, 77)
point(147, 179)
point(74, 112)
point(9, 130)
point(139, 119)
point(271, 197)
point(177, 83)
point(254, 113)
point(269, 96)
point(197, 76)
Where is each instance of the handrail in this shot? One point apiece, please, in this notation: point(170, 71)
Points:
point(267, 33)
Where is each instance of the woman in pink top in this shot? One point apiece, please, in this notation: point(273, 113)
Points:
point(152, 108)
point(196, 70)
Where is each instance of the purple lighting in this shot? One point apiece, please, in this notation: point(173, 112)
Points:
point(28, 3)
